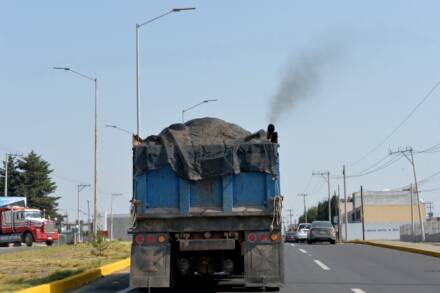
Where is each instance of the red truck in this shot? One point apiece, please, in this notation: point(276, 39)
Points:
point(19, 223)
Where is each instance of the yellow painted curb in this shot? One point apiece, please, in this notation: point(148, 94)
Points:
point(76, 281)
point(398, 247)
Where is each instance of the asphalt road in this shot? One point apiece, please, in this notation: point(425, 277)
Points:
point(331, 269)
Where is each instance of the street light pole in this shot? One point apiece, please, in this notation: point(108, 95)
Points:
point(80, 187)
point(119, 128)
point(326, 176)
point(305, 209)
point(138, 90)
point(111, 213)
point(95, 187)
point(6, 174)
point(196, 105)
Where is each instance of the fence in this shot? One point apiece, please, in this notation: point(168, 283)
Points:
point(432, 231)
point(379, 231)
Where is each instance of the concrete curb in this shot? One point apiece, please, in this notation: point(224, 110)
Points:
point(76, 281)
point(398, 247)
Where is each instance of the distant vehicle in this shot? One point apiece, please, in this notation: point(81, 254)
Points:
point(301, 232)
point(21, 224)
point(290, 236)
point(321, 231)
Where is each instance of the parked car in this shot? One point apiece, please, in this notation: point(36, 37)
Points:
point(290, 237)
point(301, 232)
point(321, 231)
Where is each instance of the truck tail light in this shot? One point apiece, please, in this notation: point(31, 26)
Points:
point(161, 238)
point(139, 239)
point(275, 237)
point(333, 231)
point(312, 232)
point(151, 239)
point(252, 237)
point(263, 237)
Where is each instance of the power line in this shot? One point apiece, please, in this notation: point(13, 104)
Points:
point(382, 142)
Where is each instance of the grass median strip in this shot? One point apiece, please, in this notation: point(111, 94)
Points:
point(23, 269)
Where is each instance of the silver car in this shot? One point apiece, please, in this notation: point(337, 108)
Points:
point(301, 232)
point(321, 231)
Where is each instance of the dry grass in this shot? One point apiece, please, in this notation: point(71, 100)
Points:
point(28, 268)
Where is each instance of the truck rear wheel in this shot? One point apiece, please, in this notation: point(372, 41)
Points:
point(49, 242)
point(28, 239)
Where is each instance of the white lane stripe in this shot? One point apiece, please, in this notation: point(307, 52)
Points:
point(323, 266)
point(357, 290)
point(125, 290)
point(291, 244)
point(302, 250)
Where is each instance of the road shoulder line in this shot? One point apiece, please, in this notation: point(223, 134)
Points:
point(398, 247)
point(76, 281)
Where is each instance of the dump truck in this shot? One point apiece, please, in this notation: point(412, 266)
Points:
point(19, 223)
point(206, 204)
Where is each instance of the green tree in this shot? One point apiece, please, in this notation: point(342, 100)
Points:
point(36, 185)
point(320, 212)
point(13, 177)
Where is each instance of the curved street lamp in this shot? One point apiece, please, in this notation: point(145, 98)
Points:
point(95, 187)
point(196, 105)
point(138, 91)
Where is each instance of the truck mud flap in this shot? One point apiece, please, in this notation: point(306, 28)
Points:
point(150, 266)
point(263, 265)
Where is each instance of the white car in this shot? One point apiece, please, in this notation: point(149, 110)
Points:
point(301, 232)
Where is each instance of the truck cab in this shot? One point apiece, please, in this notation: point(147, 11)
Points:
point(21, 224)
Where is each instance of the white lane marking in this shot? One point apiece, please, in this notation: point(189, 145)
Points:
point(302, 250)
point(291, 244)
point(125, 290)
point(357, 290)
point(323, 266)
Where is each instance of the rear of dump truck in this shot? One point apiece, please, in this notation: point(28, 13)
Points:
point(206, 206)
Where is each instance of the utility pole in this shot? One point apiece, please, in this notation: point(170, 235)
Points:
point(345, 203)
point(326, 176)
point(88, 215)
point(429, 207)
point(410, 158)
point(362, 213)
point(305, 209)
point(6, 174)
point(339, 213)
point(412, 210)
point(80, 187)
point(290, 217)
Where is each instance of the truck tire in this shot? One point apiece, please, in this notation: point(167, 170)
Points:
point(4, 244)
point(49, 242)
point(28, 239)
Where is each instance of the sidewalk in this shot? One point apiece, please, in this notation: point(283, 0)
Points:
point(427, 248)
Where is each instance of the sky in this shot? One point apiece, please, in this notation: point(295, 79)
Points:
point(364, 66)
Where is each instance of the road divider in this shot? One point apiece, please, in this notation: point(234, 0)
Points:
point(399, 246)
point(79, 280)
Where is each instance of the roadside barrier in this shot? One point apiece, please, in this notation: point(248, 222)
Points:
point(398, 247)
point(79, 280)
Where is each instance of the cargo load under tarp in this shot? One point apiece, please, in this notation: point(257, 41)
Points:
point(204, 148)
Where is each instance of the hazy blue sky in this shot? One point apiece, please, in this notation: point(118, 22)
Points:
point(376, 61)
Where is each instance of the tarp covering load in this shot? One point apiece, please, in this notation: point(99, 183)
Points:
point(204, 148)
